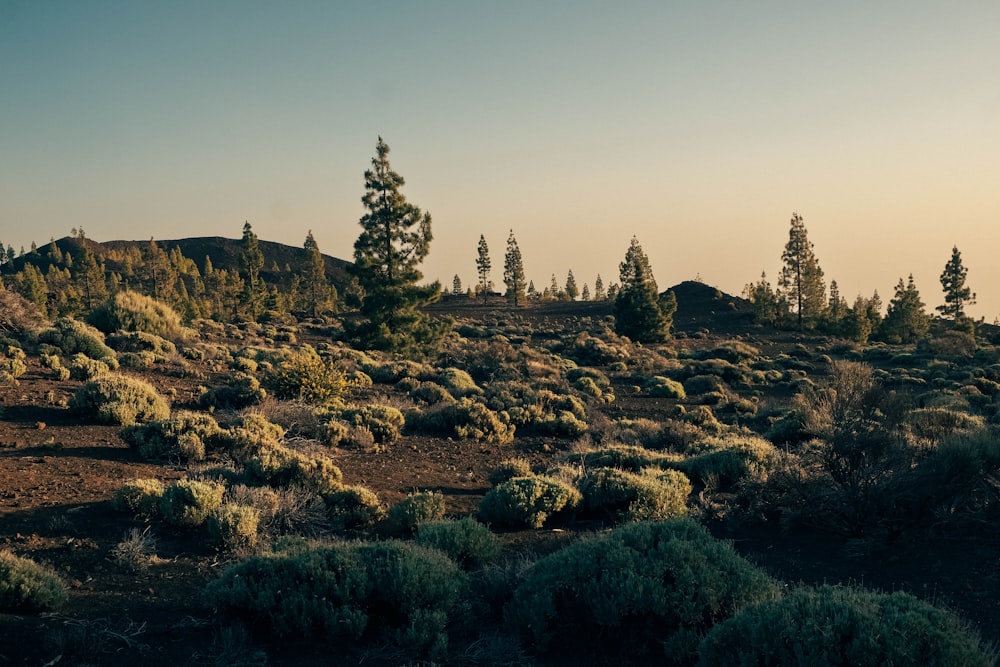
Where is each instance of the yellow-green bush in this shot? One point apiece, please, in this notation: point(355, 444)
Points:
point(307, 376)
point(189, 502)
point(120, 399)
point(27, 586)
point(508, 469)
point(234, 526)
point(131, 311)
point(140, 341)
point(82, 367)
point(140, 497)
point(527, 501)
point(185, 435)
point(417, 508)
point(664, 387)
point(650, 495)
point(72, 337)
point(464, 419)
point(353, 507)
point(241, 390)
point(466, 541)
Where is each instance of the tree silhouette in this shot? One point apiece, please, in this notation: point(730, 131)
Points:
point(801, 281)
point(956, 293)
point(513, 271)
point(640, 313)
point(483, 267)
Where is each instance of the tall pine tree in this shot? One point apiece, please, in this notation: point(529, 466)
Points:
point(395, 238)
point(640, 313)
point(513, 272)
point(801, 281)
point(905, 320)
point(956, 293)
point(251, 263)
point(483, 266)
point(314, 284)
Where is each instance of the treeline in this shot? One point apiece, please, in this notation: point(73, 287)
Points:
point(801, 299)
point(72, 276)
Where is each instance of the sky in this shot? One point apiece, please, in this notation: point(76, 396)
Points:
point(697, 127)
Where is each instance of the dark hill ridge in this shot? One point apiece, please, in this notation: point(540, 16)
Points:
point(702, 306)
point(224, 253)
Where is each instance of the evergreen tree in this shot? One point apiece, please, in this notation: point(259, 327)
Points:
point(456, 285)
point(765, 301)
point(599, 293)
point(956, 293)
point(31, 284)
point(585, 294)
point(314, 282)
point(572, 291)
point(905, 321)
point(251, 263)
point(160, 275)
point(513, 271)
point(532, 292)
point(801, 280)
point(858, 323)
point(483, 267)
point(640, 313)
point(90, 279)
point(554, 290)
point(395, 239)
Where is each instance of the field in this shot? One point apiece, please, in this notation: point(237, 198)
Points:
point(812, 487)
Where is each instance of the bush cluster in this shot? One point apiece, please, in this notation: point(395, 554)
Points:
point(186, 435)
point(120, 399)
point(464, 419)
point(189, 502)
point(307, 376)
point(651, 495)
point(72, 337)
point(466, 541)
point(528, 501)
point(131, 311)
point(416, 509)
point(27, 586)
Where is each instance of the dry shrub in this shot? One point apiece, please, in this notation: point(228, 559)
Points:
point(131, 311)
point(18, 316)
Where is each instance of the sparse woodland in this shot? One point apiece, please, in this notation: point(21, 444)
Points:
point(276, 459)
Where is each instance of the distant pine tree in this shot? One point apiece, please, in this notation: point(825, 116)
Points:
point(585, 294)
point(513, 272)
point(571, 290)
point(483, 266)
point(599, 293)
point(801, 281)
point(640, 314)
point(251, 263)
point(456, 285)
point(314, 282)
point(956, 293)
point(905, 321)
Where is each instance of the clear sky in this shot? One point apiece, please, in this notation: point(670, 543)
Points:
point(698, 127)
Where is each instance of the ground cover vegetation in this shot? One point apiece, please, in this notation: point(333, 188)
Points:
point(259, 472)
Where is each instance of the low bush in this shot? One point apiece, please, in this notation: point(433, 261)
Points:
point(140, 341)
point(664, 387)
point(27, 586)
point(82, 367)
point(508, 469)
point(383, 421)
point(307, 376)
point(417, 508)
point(625, 457)
point(642, 589)
point(464, 419)
point(185, 435)
point(72, 337)
point(466, 541)
point(652, 495)
point(240, 391)
point(234, 526)
point(131, 311)
point(430, 393)
point(140, 497)
point(458, 383)
point(120, 399)
point(278, 466)
point(353, 507)
point(724, 462)
point(391, 591)
point(835, 625)
point(527, 501)
point(189, 502)
point(18, 316)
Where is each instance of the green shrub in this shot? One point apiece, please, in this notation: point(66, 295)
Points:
point(417, 508)
point(389, 591)
point(832, 626)
point(464, 419)
point(721, 463)
point(642, 588)
point(307, 376)
point(562, 424)
point(140, 497)
point(652, 495)
point(664, 387)
point(27, 586)
point(933, 424)
point(241, 390)
point(234, 526)
point(704, 384)
point(120, 399)
point(353, 507)
point(140, 341)
point(383, 421)
point(72, 337)
point(466, 541)
point(131, 311)
point(430, 393)
point(188, 502)
point(508, 469)
point(185, 435)
point(278, 466)
point(626, 457)
point(527, 501)
point(458, 383)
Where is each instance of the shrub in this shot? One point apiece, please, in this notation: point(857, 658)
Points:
point(120, 399)
point(185, 435)
point(652, 495)
point(383, 421)
point(933, 424)
point(131, 311)
point(458, 383)
point(430, 393)
point(18, 316)
point(664, 387)
point(234, 526)
point(562, 424)
point(395, 591)
point(527, 501)
point(277, 465)
point(140, 497)
point(415, 509)
point(508, 469)
point(140, 341)
point(643, 587)
point(72, 336)
point(27, 586)
point(351, 507)
point(626, 457)
point(720, 463)
point(82, 367)
point(835, 625)
point(466, 541)
point(307, 376)
point(464, 419)
point(188, 502)
point(241, 390)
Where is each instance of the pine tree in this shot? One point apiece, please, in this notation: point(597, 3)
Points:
point(513, 271)
point(456, 285)
point(314, 277)
point(251, 263)
point(571, 290)
point(158, 272)
point(801, 280)
point(640, 313)
point(905, 321)
point(956, 293)
point(765, 301)
point(599, 293)
point(483, 267)
point(31, 284)
point(532, 292)
point(395, 239)
point(90, 279)
point(585, 294)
